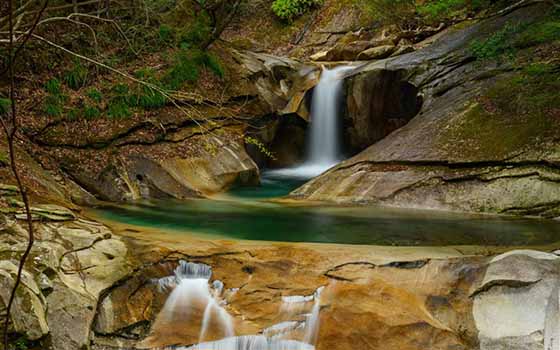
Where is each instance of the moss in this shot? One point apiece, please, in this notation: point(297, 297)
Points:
point(4, 160)
point(517, 112)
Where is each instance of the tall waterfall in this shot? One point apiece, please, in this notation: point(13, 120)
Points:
point(323, 140)
point(324, 146)
point(191, 289)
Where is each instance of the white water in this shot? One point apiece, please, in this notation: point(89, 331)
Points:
point(298, 315)
point(190, 287)
point(324, 145)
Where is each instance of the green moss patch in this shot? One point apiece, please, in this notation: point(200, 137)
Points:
point(517, 112)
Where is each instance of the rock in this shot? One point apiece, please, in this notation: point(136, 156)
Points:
point(224, 164)
point(70, 265)
point(49, 212)
point(29, 308)
point(319, 56)
point(378, 102)
point(377, 52)
point(401, 50)
point(347, 52)
point(510, 305)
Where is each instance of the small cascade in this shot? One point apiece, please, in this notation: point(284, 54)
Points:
point(324, 148)
point(250, 342)
point(192, 299)
point(192, 293)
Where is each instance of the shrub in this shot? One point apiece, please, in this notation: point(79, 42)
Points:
point(91, 112)
point(183, 69)
point(53, 106)
point(118, 110)
point(118, 107)
point(95, 95)
point(4, 105)
point(498, 44)
point(195, 34)
point(4, 160)
point(76, 77)
point(540, 33)
point(290, 9)
point(53, 86)
point(148, 98)
point(166, 34)
point(54, 102)
point(209, 61)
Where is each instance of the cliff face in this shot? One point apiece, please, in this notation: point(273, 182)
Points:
point(474, 145)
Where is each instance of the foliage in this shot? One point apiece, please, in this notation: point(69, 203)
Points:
point(440, 10)
point(210, 61)
point(260, 146)
point(5, 104)
point(400, 12)
point(197, 33)
point(118, 107)
point(540, 33)
point(54, 102)
point(498, 44)
point(184, 69)
point(53, 86)
point(512, 37)
point(22, 343)
point(95, 95)
point(4, 158)
point(288, 10)
point(518, 110)
point(77, 76)
point(91, 112)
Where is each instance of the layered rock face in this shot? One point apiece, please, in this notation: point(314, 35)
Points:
point(448, 156)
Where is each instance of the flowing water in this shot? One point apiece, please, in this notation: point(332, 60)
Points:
point(191, 291)
point(324, 149)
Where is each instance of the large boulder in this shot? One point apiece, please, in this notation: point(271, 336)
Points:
point(516, 304)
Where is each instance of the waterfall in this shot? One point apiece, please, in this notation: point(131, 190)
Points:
point(191, 291)
point(324, 148)
point(192, 299)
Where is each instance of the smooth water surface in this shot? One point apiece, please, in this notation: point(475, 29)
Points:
point(243, 214)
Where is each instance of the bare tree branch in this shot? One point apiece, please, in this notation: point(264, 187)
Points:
point(10, 129)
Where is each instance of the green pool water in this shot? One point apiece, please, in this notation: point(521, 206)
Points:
point(245, 214)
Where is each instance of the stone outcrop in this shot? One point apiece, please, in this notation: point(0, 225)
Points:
point(445, 158)
point(71, 264)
